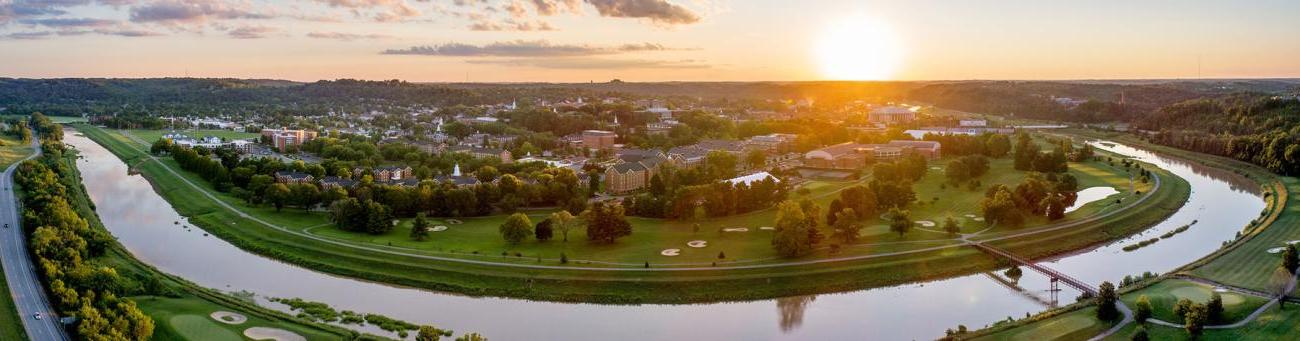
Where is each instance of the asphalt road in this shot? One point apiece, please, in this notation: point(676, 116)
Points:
point(24, 284)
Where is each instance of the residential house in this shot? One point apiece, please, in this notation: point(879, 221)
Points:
point(630, 176)
point(291, 177)
point(332, 182)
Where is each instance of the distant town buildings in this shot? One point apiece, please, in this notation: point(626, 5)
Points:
point(283, 138)
point(481, 152)
point(598, 139)
point(891, 115)
point(850, 155)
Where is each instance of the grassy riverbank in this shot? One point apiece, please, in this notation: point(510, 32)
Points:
point(170, 293)
point(815, 274)
point(1244, 263)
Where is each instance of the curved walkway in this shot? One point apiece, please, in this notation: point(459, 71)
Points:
point(384, 250)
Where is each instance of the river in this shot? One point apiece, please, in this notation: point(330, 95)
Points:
point(146, 224)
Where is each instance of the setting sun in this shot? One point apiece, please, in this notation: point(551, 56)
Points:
point(858, 49)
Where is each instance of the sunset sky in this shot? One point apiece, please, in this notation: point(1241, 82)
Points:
point(649, 40)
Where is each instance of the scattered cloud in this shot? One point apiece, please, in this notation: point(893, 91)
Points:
point(69, 22)
point(511, 25)
point(346, 36)
point(379, 10)
point(523, 48)
point(658, 11)
point(121, 32)
point(191, 11)
point(18, 9)
point(251, 32)
point(594, 63)
point(552, 7)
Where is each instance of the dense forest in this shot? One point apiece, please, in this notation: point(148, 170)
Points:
point(1256, 128)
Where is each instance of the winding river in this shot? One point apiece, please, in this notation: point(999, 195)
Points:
point(145, 223)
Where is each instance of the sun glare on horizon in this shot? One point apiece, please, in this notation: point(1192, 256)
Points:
point(858, 48)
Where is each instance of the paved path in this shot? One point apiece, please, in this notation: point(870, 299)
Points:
point(397, 251)
point(24, 284)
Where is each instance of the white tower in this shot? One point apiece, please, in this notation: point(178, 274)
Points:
point(456, 171)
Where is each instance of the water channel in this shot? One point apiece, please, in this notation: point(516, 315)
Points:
point(144, 222)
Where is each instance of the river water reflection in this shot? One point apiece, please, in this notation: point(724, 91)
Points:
point(145, 224)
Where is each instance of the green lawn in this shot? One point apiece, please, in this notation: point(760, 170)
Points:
point(648, 240)
point(1273, 324)
point(1081, 324)
point(12, 149)
point(1165, 294)
point(189, 319)
point(11, 325)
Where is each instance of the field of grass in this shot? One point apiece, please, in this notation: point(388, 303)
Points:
point(1081, 324)
point(11, 325)
point(189, 319)
point(563, 283)
point(12, 149)
point(1273, 324)
point(1166, 293)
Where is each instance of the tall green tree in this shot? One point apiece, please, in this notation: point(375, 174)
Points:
point(846, 226)
point(900, 221)
point(562, 221)
point(606, 223)
point(516, 228)
point(791, 238)
point(1106, 306)
point(278, 195)
point(1290, 259)
point(1143, 309)
point(420, 228)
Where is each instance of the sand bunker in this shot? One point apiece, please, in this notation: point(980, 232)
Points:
point(736, 229)
point(697, 243)
point(925, 223)
point(228, 317)
point(276, 334)
point(767, 228)
point(671, 252)
point(979, 219)
point(439, 228)
point(1293, 242)
point(1276, 250)
point(970, 215)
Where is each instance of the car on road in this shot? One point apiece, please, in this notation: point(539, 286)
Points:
point(38, 316)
